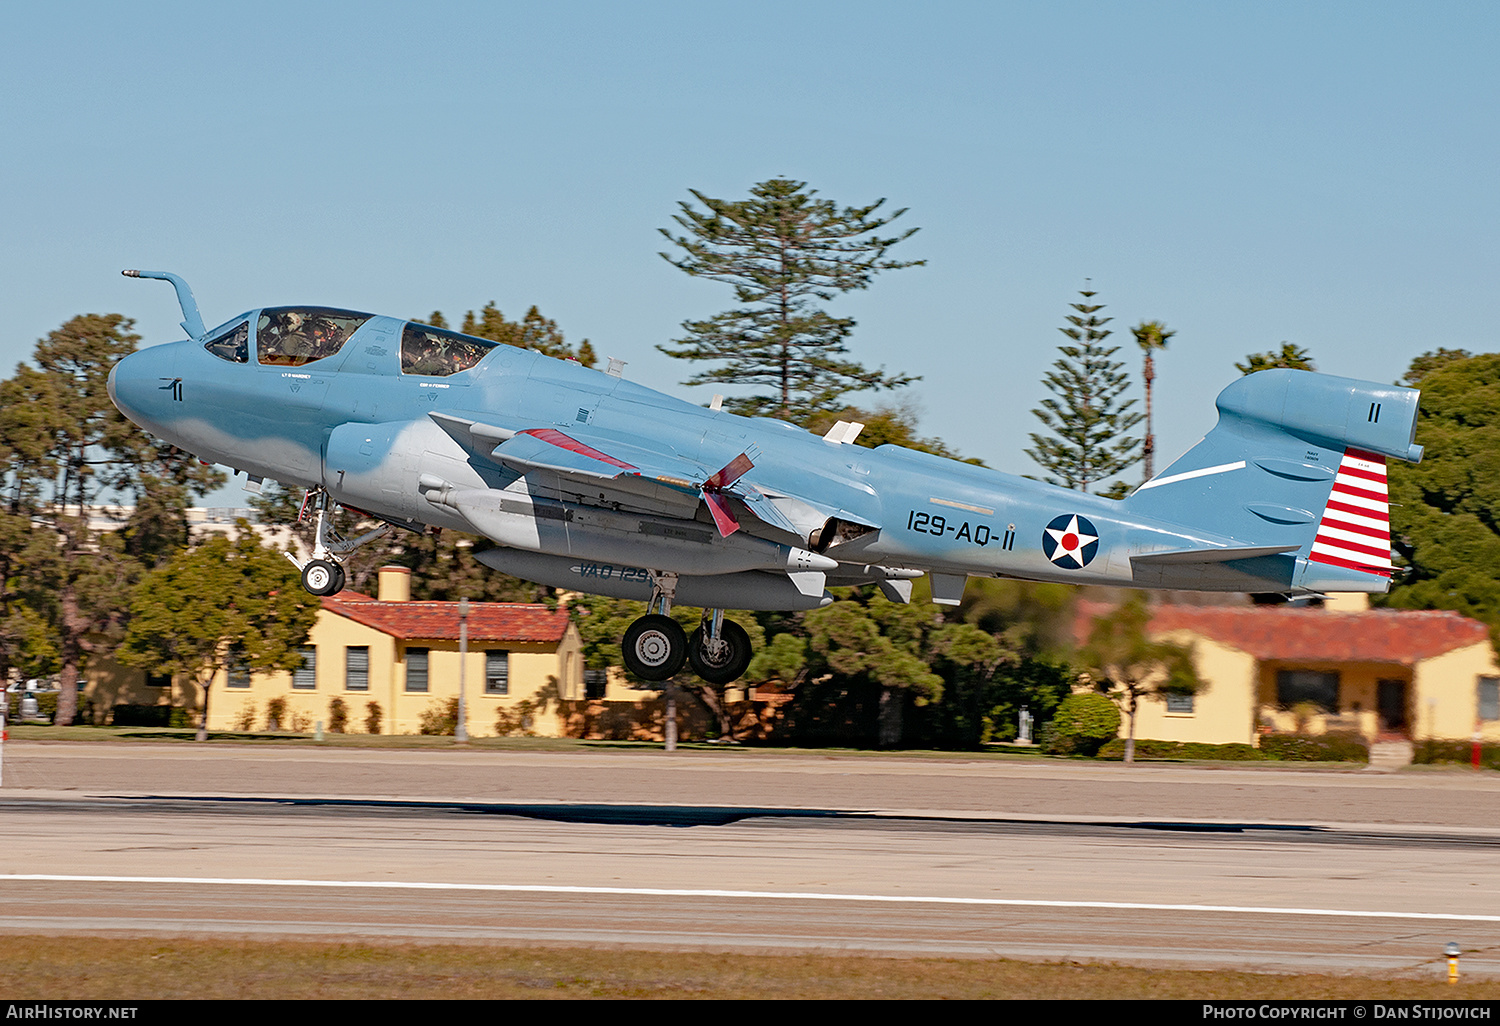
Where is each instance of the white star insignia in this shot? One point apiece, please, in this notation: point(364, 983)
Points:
point(1070, 541)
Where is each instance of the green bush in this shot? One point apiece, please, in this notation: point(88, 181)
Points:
point(441, 717)
point(1446, 750)
point(372, 717)
point(1146, 748)
point(338, 716)
point(1331, 747)
point(1081, 725)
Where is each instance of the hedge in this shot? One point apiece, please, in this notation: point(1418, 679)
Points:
point(1146, 748)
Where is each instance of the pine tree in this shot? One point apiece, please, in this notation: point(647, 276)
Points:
point(1089, 423)
point(782, 251)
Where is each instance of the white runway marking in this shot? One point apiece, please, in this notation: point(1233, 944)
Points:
point(781, 895)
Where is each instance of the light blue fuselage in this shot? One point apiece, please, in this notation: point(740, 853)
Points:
point(358, 425)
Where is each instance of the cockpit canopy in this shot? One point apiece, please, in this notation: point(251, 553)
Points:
point(433, 352)
point(291, 336)
point(232, 344)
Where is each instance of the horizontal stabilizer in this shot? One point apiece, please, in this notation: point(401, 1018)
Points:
point(1215, 555)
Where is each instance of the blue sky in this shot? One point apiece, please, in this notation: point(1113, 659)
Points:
point(1319, 173)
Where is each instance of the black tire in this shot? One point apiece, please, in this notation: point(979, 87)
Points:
point(322, 577)
point(655, 647)
point(732, 661)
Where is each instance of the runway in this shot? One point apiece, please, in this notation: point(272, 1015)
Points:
point(278, 855)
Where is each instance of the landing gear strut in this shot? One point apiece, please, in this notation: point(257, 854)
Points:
point(655, 646)
point(323, 574)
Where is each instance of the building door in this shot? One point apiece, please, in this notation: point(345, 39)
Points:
point(1390, 698)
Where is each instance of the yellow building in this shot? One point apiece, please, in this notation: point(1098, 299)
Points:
point(1387, 674)
point(390, 662)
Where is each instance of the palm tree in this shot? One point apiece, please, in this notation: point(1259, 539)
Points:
point(1291, 357)
point(1150, 335)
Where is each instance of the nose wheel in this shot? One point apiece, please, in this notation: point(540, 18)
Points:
point(323, 577)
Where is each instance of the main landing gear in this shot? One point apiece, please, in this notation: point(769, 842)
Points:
point(655, 646)
point(323, 574)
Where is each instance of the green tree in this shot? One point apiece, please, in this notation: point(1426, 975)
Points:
point(1128, 665)
point(1291, 357)
point(1431, 362)
point(1150, 336)
point(784, 252)
point(215, 602)
point(1034, 623)
point(1087, 420)
point(68, 448)
point(1445, 511)
point(532, 331)
point(880, 645)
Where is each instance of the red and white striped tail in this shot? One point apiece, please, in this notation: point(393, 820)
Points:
point(1355, 531)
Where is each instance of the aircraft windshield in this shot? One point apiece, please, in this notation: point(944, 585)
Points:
point(232, 345)
point(435, 353)
point(293, 336)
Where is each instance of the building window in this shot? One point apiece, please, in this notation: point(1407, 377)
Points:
point(416, 669)
point(357, 668)
point(1489, 698)
point(1293, 687)
point(158, 680)
point(594, 683)
point(1179, 703)
point(497, 673)
point(306, 675)
point(239, 670)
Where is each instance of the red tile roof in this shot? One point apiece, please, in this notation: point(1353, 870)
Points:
point(438, 621)
point(1313, 635)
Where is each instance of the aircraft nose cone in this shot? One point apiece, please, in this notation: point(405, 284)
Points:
point(139, 385)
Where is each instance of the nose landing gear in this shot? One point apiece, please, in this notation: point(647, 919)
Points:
point(323, 574)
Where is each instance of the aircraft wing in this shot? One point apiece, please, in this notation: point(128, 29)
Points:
point(618, 469)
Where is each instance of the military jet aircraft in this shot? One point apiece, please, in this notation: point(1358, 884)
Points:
point(587, 481)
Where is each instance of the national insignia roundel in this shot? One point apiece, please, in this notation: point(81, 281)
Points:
point(1070, 541)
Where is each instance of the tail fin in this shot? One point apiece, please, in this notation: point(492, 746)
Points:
point(1355, 531)
point(1297, 460)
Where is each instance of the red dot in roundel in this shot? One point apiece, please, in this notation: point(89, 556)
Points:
point(1070, 541)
